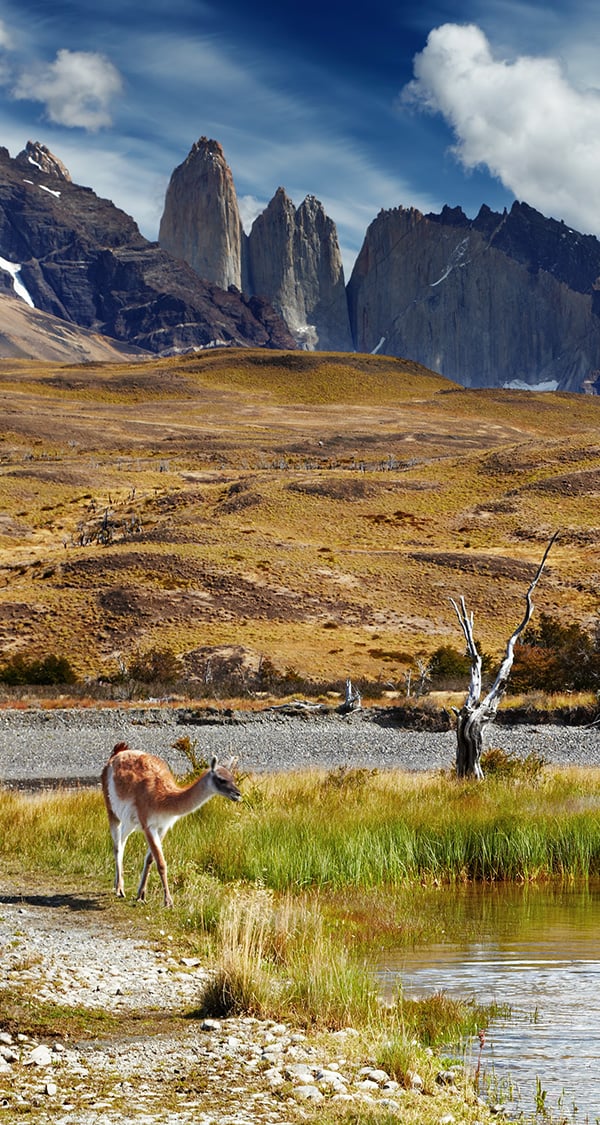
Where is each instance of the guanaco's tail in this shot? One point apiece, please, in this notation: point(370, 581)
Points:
point(119, 748)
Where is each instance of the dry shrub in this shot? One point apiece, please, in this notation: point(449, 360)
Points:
point(501, 764)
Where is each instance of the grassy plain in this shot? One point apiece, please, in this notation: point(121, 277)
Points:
point(315, 510)
point(338, 831)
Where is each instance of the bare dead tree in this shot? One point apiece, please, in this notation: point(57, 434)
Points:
point(352, 699)
point(475, 713)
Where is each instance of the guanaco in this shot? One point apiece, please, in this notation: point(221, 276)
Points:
point(142, 795)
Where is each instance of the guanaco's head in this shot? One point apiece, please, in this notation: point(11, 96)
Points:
point(224, 782)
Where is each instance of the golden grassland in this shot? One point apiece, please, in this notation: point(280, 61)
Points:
point(318, 510)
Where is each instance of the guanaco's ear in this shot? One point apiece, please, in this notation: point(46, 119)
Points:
point(213, 763)
point(232, 763)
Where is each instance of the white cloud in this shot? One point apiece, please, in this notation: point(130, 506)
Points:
point(77, 88)
point(523, 119)
point(249, 207)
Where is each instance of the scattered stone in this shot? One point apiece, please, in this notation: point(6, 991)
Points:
point(274, 1076)
point(378, 1076)
point(308, 1094)
point(328, 1074)
point(331, 1080)
point(446, 1078)
point(39, 1056)
point(299, 1072)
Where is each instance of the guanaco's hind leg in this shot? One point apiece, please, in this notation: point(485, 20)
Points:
point(155, 852)
point(119, 839)
point(141, 894)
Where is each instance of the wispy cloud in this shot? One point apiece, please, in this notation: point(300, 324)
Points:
point(250, 207)
point(272, 135)
point(76, 89)
point(523, 119)
point(5, 37)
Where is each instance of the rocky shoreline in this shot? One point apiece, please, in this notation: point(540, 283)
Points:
point(155, 1063)
point(70, 746)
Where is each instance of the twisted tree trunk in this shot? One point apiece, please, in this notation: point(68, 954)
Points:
point(476, 713)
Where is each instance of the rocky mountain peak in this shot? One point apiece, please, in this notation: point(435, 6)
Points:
point(201, 221)
point(40, 157)
point(280, 205)
point(208, 147)
point(293, 258)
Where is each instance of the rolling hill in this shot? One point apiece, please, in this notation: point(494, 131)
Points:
point(313, 510)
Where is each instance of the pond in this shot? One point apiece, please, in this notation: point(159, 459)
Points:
point(537, 949)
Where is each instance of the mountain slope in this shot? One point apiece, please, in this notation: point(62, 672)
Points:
point(85, 261)
point(27, 333)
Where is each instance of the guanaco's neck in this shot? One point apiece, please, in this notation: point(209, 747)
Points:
point(188, 798)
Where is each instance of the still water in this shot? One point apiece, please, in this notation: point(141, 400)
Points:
point(538, 950)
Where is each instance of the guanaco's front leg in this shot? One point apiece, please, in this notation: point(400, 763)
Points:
point(155, 852)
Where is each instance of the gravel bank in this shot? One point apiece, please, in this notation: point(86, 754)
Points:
point(59, 950)
point(70, 745)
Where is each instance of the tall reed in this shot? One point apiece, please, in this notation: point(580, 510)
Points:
point(366, 829)
point(389, 828)
point(277, 958)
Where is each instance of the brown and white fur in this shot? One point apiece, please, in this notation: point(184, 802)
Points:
point(142, 795)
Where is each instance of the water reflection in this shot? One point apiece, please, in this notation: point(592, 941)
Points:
point(538, 951)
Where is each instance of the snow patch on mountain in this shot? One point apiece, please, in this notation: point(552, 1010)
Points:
point(18, 286)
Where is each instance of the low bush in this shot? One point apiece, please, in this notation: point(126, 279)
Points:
point(555, 657)
point(448, 668)
point(51, 670)
point(500, 764)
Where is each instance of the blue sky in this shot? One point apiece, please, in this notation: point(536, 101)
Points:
point(418, 104)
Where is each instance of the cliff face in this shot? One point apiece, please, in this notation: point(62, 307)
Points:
point(501, 298)
point(82, 259)
point(293, 259)
point(201, 222)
